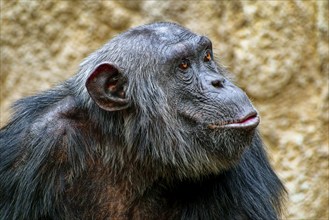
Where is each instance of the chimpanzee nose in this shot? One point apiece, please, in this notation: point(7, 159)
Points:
point(218, 82)
point(214, 80)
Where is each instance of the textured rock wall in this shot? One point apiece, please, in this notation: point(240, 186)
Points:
point(276, 50)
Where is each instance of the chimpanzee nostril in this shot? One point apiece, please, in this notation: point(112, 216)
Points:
point(217, 83)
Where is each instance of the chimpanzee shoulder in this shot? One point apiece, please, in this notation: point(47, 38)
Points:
point(47, 134)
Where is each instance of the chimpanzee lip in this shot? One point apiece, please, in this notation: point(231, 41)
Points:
point(249, 121)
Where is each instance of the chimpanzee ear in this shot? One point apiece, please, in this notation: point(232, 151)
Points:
point(107, 87)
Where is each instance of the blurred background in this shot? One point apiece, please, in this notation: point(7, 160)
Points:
point(277, 51)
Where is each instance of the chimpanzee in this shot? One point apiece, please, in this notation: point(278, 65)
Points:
point(149, 128)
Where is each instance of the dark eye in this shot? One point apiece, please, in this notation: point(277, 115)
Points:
point(207, 57)
point(185, 64)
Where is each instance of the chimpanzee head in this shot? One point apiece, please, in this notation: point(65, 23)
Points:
point(175, 105)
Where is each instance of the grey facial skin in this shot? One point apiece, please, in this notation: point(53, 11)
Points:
point(149, 128)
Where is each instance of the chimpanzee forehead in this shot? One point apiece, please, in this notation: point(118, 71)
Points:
point(173, 34)
point(169, 35)
point(160, 33)
point(170, 41)
point(183, 48)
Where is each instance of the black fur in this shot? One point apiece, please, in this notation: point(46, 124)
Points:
point(135, 136)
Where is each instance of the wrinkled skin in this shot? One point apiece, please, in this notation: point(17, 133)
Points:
point(149, 128)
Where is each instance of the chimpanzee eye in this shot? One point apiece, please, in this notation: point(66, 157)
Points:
point(185, 64)
point(207, 57)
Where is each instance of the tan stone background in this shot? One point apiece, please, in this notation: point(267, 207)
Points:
point(276, 50)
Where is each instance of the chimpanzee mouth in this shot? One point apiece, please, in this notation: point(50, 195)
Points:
point(250, 121)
